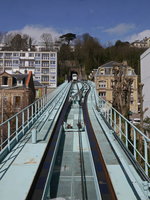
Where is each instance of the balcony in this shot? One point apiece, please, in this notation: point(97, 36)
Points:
point(26, 58)
point(7, 57)
point(45, 58)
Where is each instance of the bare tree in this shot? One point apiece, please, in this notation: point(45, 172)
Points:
point(8, 38)
point(47, 39)
point(29, 40)
point(1, 36)
point(122, 85)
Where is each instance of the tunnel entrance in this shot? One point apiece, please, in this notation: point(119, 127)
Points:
point(76, 70)
point(73, 74)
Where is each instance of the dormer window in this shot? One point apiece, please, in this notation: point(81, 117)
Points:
point(4, 80)
point(102, 72)
point(108, 71)
point(130, 71)
point(19, 82)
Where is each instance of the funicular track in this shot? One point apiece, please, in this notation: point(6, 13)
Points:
point(37, 188)
point(104, 183)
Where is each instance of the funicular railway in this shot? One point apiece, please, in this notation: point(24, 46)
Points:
point(82, 158)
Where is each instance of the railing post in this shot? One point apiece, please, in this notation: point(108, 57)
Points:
point(32, 113)
point(109, 116)
point(17, 128)
point(28, 116)
point(120, 127)
point(43, 103)
point(111, 111)
point(145, 156)
point(41, 108)
point(106, 115)
point(115, 121)
point(35, 110)
point(38, 107)
point(134, 142)
point(8, 127)
point(23, 121)
point(126, 131)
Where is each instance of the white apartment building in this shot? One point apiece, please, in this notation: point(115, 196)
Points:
point(42, 64)
point(145, 79)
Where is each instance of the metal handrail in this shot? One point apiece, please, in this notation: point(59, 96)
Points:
point(25, 119)
point(120, 126)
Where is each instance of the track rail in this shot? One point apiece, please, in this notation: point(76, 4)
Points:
point(105, 185)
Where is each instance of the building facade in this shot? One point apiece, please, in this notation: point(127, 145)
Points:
point(16, 92)
point(145, 79)
point(42, 64)
point(40, 90)
point(104, 78)
point(145, 43)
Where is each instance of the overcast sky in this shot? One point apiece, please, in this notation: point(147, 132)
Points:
point(107, 20)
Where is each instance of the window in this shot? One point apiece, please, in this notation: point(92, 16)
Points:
point(45, 56)
point(52, 54)
point(31, 63)
point(107, 71)
point(45, 71)
point(37, 55)
point(22, 63)
point(52, 62)
point(4, 80)
point(15, 61)
point(31, 54)
point(37, 62)
point(8, 63)
point(8, 55)
point(52, 77)
point(45, 64)
point(102, 94)
point(22, 54)
point(15, 54)
point(19, 82)
point(102, 84)
point(45, 78)
point(17, 100)
point(129, 72)
point(102, 72)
